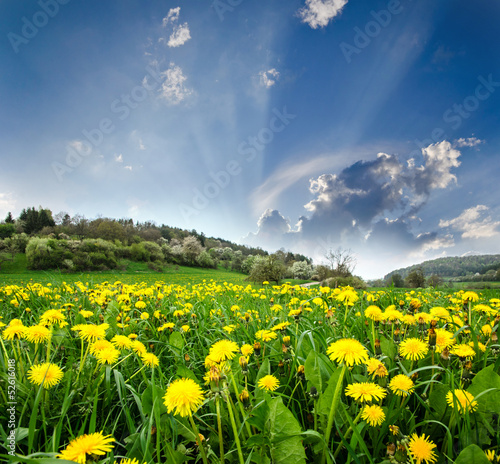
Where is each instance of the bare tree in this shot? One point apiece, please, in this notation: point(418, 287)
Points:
point(342, 261)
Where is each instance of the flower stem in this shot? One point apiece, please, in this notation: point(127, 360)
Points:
point(219, 425)
point(333, 409)
point(235, 431)
point(198, 440)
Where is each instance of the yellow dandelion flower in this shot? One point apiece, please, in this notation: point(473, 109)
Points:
point(46, 374)
point(373, 414)
point(365, 392)
point(37, 334)
point(265, 335)
point(439, 312)
point(86, 313)
point(461, 400)
point(376, 368)
point(92, 444)
point(347, 350)
point(463, 351)
point(401, 385)
point(121, 342)
point(444, 339)
point(100, 345)
point(109, 356)
point(268, 383)
point(130, 461)
point(223, 350)
point(138, 347)
point(413, 348)
point(14, 330)
point(91, 332)
point(422, 449)
point(140, 304)
point(246, 349)
point(150, 359)
point(53, 317)
point(183, 397)
point(470, 297)
point(185, 328)
point(167, 325)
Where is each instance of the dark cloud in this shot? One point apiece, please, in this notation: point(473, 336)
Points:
point(368, 204)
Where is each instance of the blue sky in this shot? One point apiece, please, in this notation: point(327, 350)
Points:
point(304, 124)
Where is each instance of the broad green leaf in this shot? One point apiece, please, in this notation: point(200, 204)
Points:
point(388, 347)
point(176, 341)
point(284, 433)
point(472, 455)
point(183, 371)
point(317, 370)
point(325, 400)
point(484, 380)
point(437, 400)
point(147, 399)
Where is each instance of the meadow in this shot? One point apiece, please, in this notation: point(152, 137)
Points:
point(114, 370)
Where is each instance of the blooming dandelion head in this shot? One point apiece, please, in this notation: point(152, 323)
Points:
point(422, 449)
point(401, 385)
point(150, 359)
point(37, 334)
point(365, 392)
point(413, 349)
point(45, 374)
point(348, 351)
point(461, 400)
point(373, 414)
point(223, 350)
point(183, 397)
point(268, 383)
point(92, 444)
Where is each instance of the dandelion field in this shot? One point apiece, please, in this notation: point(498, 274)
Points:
point(227, 373)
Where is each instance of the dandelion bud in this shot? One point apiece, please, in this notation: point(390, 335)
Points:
point(245, 399)
point(432, 337)
point(186, 357)
point(313, 393)
point(286, 340)
point(301, 372)
point(391, 449)
point(378, 349)
point(256, 348)
point(244, 365)
point(281, 367)
point(394, 429)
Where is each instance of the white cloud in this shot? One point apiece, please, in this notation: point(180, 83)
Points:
point(172, 16)
point(269, 78)
point(7, 202)
point(119, 158)
point(473, 223)
point(128, 168)
point(469, 142)
point(173, 89)
point(318, 13)
point(180, 36)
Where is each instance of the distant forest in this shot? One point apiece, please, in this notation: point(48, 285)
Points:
point(456, 268)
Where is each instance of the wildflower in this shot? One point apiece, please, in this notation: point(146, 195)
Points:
point(413, 348)
point(91, 332)
point(52, 317)
point(280, 326)
point(463, 351)
point(138, 347)
point(376, 368)
point(15, 329)
point(365, 392)
point(45, 374)
point(183, 397)
point(245, 399)
point(223, 350)
point(121, 342)
point(401, 385)
point(268, 383)
point(421, 449)
point(185, 328)
point(86, 313)
point(150, 359)
point(373, 414)
point(469, 297)
point(394, 429)
point(109, 356)
point(347, 350)
point(129, 461)
point(92, 444)
point(265, 335)
point(100, 345)
point(440, 313)
point(144, 316)
point(444, 339)
point(461, 400)
point(374, 313)
point(140, 304)
point(37, 334)
point(167, 325)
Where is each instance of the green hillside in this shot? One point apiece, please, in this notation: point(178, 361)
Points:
point(455, 267)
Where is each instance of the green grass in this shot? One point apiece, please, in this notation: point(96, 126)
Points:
point(15, 272)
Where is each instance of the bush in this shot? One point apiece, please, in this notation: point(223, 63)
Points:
point(353, 281)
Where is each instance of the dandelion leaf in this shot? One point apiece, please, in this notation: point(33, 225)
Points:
point(472, 455)
point(317, 370)
point(284, 433)
point(487, 379)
